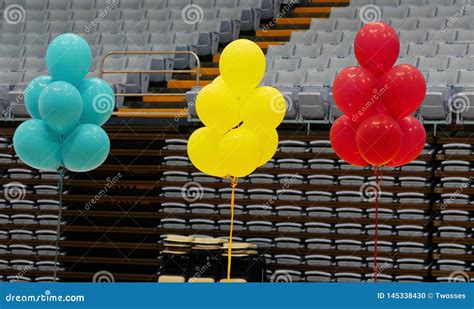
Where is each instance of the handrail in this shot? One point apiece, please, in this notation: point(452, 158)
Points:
point(196, 70)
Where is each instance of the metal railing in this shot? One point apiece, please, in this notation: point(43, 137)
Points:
point(102, 72)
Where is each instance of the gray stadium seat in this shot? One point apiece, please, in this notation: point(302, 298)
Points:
point(456, 50)
point(59, 4)
point(404, 24)
point(343, 12)
point(304, 37)
point(329, 37)
point(135, 15)
point(60, 15)
point(417, 36)
point(341, 50)
point(35, 5)
point(323, 24)
point(426, 50)
point(394, 12)
point(422, 11)
point(285, 50)
point(82, 5)
point(301, 50)
point(436, 63)
point(282, 64)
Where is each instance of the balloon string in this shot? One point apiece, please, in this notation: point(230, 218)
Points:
point(229, 250)
point(377, 174)
point(58, 226)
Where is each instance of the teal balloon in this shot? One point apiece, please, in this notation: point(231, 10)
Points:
point(68, 58)
point(60, 106)
point(32, 93)
point(37, 146)
point(98, 100)
point(86, 148)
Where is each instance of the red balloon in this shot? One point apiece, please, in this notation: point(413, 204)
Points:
point(376, 47)
point(413, 141)
point(405, 90)
point(379, 139)
point(354, 92)
point(343, 141)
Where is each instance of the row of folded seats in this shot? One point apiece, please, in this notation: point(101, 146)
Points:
point(290, 275)
point(329, 164)
point(289, 230)
point(316, 179)
point(24, 204)
point(25, 269)
point(403, 11)
point(26, 219)
point(399, 24)
point(323, 63)
point(385, 263)
point(324, 146)
point(406, 2)
point(263, 194)
point(345, 211)
point(266, 8)
point(328, 47)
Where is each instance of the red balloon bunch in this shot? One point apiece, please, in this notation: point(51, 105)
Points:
point(377, 99)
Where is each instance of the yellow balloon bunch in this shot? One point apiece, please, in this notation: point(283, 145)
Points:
point(240, 119)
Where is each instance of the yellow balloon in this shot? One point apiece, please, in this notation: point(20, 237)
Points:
point(269, 143)
point(242, 65)
point(264, 107)
point(217, 108)
point(241, 150)
point(218, 80)
point(203, 152)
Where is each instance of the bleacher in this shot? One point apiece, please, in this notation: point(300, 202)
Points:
point(441, 48)
point(197, 26)
point(306, 209)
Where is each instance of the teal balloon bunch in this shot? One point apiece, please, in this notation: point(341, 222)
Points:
point(67, 111)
